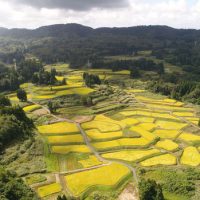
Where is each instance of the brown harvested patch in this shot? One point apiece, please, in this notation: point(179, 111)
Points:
point(40, 112)
point(82, 119)
point(129, 193)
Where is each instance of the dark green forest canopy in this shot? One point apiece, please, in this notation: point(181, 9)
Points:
point(13, 188)
point(76, 44)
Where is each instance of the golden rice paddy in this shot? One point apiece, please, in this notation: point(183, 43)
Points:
point(148, 126)
point(190, 156)
point(70, 149)
point(166, 134)
point(121, 143)
point(90, 162)
point(130, 155)
point(49, 189)
point(58, 128)
point(130, 121)
point(145, 119)
point(168, 145)
point(170, 125)
point(146, 134)
point(166, 159)
point(101, 126)
point(65, 139)
point(31, 108)
point(189, 137)
point(95, 134)
point(109, 176)
point(184, 114)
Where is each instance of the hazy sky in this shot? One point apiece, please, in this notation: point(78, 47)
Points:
point(99, 13)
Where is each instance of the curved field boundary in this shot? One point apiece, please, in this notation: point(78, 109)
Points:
point(138, 160)
point(93, 188)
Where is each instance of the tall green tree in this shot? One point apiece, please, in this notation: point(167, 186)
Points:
point(150, 190)
point(22, 95)
point(4, 101)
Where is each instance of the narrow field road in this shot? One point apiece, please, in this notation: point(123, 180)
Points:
point(96, 153)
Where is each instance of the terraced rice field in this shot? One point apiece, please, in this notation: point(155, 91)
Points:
point(189, 137)
point(170, 125)
point(31, 108)
point(121, 143)
point(95, 134)
point(70, 149)
point(143, 135)
point(145, 119)
point(59, 128)
point(101, 126)
point(130, 155)
point(191, 156)
point(166, 159)
point(146, 134)
point(49, 189)
point(148, 126)
point(66, 139)
point(108, 176)
point(167, 145)
point(90, 162)
point(130, 121)
point(166, 134)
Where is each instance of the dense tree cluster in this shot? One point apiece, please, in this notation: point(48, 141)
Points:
point(184, 90)
point(13, 188)
point(140, 64)
point(91, 79)
point(44, 77)
point(150, 190)
point(15, 125)
point(21, 95)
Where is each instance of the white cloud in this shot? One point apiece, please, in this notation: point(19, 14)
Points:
point(175, 13)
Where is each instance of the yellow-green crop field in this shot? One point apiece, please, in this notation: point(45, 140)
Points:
point(121, 143)
point(90, 162)
point(70, 149)
point(170, 125)
point(166, 159)
point(145, 119)
point(166, 134)
point(189, 137)
point(49, 189)
point(31, 108)
point(148, 126)
point(190, 156)
point(101, 126)
point(130, 155)
point(130, 121)
point(65, 139)
point(146, 134)
point(168, 145)
point(95, 134)
point(169, 108)
point(58, 128)
point(109, 176)
point(184, 114)
point(147, 131)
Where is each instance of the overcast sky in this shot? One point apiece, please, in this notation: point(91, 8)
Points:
point(100, 13)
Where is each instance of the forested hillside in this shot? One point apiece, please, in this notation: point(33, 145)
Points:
point(77, 44)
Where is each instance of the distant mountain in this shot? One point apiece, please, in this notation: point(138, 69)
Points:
point(70, 30)
point(76, 44)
